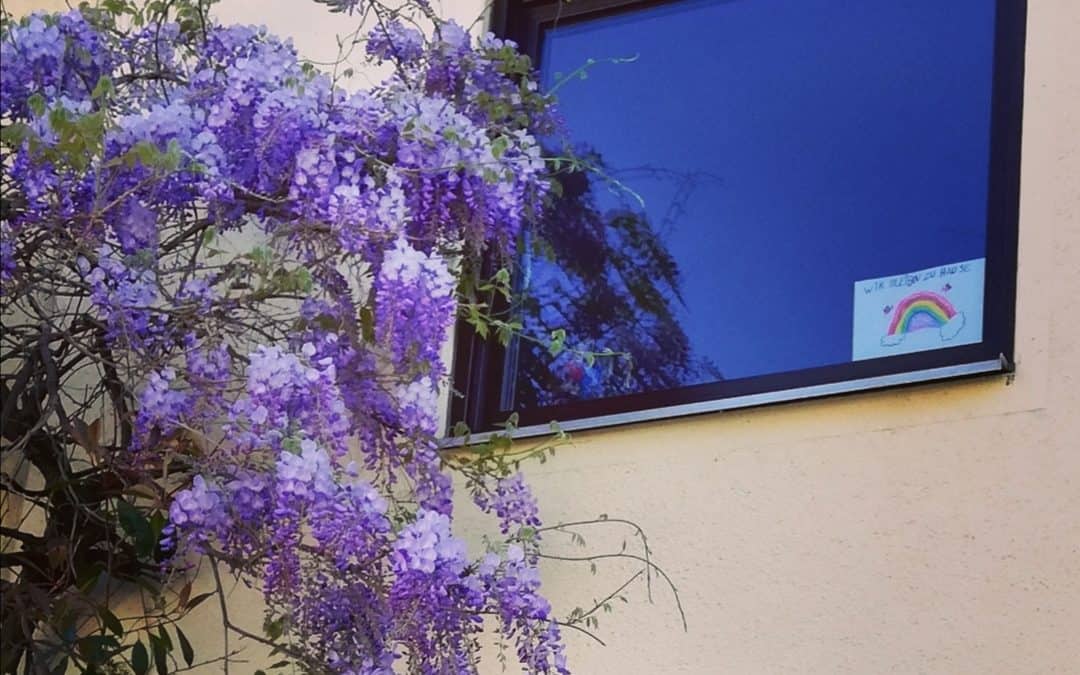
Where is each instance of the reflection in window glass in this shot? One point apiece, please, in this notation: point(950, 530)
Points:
point(759, 158)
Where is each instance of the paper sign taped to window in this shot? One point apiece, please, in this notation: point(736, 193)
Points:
point(918, 311)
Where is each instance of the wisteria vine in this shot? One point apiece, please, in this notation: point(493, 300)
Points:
point(226, 287)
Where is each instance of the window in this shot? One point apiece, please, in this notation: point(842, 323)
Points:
point(795, 198)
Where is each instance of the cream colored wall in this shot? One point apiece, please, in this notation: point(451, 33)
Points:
point(934, 529)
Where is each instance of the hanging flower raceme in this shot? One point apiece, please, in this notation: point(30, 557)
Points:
point(259, 371)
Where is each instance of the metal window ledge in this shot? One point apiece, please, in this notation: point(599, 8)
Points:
point(947, 372)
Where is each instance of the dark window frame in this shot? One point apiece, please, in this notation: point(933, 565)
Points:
point(478, 363)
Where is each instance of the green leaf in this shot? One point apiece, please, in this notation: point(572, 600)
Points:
point(291, 444)
point(103, 88)
point(173, 156)
point(476, 320)
point(157, 524)
point(115, 6)
point(15, 134)
point(367, 324)
point(506, 331)
point(165, 639)
point(198, 600)
point(304, 281)
point(36, 103)
point(140, 660)
point(109, 620)
point(558, 342)
point(274, 628)
point(135, 524)
point(185, 647)
point(143, 152)
point(160, 655)
point(93, 648)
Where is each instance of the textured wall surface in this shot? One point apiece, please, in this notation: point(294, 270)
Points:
point(933, 529)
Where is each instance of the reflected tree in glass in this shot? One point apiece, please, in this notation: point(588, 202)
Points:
point(598, 267)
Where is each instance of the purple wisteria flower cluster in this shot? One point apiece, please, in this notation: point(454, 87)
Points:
point(263, 268)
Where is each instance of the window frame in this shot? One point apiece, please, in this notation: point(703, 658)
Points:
point(478, 363)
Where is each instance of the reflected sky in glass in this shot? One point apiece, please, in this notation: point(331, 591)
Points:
point(783, 149)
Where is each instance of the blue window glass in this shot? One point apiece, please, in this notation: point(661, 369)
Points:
point(780, 187)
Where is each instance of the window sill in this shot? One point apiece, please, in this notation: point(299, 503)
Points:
point(999, 365)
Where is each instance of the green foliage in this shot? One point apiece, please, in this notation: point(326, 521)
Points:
point(558, 341)
point(79, 140)
point(140, 658)
point(185, 647)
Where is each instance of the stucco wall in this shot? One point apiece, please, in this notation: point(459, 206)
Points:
point(933, 529)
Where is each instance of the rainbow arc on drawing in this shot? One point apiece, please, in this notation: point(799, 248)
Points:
point(924, 309)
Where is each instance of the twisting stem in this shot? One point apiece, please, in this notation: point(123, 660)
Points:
point(220, 590)
point(630, 556)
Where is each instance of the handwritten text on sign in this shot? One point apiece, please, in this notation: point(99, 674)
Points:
point(934, 308)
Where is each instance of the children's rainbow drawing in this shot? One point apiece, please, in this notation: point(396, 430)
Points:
point(918, 310)
point(923, 309)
